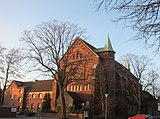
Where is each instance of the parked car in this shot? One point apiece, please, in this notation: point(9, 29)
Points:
point(156, 117)
point(141, 116)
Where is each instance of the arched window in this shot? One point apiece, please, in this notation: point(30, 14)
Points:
point(88, 86)
point(20, 92)
point(85, 87)
point(39, 95)
point(19, 99)
point(33, 96)
point(81, 87)
point(11, 96)
point(77, 87)
point(77, 55)
point(39, 106)
point(71, 87)
point(12, 88)
point(32, 106)
point(27, 96)
point(73, 57)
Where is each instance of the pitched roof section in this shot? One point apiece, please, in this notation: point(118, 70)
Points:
point(44, 85)
point(74, 96)
point(107, 47)
point(36, 86)
point(89, 45)
point(23, 84)
point(92, 48)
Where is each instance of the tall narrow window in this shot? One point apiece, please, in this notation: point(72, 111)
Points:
point(73, 57)
point(81, 87)
point(20, 92)
point(77, 55)
point(33, 96)
point(88, 86)
point(27, 96)
point(39, 106)
point(26, 106)
point(77, 87)
point(32, 106)
point(85, 87)
point(19, 99)
point(71, 87)
point(11, 96)
point(39, 95)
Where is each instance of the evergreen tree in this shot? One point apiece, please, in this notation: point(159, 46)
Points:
point(46, 105)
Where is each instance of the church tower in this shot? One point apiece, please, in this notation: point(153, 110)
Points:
point(107, 58)
point(109, 66)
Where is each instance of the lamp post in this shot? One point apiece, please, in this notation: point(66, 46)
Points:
point(106, 112)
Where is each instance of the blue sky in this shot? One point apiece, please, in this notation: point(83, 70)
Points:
point(19, 15)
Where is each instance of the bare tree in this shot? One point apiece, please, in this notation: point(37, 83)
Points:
point(152, 78)
point(10, 67)
point(45, 49)
point(138, 66)
point(141, 15)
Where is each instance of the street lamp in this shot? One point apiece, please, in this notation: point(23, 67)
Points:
point(106, 113)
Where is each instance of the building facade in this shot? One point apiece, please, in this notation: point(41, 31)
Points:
point(28, 95)
point(102, 86)
point(105, 84)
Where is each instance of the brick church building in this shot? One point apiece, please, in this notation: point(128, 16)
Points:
point(106, 87)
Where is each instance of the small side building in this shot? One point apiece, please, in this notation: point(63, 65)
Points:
point(28, 95)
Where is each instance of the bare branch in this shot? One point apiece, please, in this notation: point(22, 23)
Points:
point(141, 15)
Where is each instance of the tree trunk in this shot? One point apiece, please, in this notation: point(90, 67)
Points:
point(63, 104)
point(2, 97)
point(63, 107)
point(139, 99)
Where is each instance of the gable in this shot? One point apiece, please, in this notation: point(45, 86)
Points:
point(12, 85)
point(79, 50)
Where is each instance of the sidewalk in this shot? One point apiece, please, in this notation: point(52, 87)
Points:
point(46, 116)
point(24, 117)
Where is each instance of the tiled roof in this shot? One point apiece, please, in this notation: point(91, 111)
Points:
point(107, 47)
point(36, 86)
point(89, 45)
point(23, 84)
point(44, 85)
point(74, 96)
point(84, 96)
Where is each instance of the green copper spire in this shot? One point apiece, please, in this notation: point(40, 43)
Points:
point(127, 64)
point(108, 45)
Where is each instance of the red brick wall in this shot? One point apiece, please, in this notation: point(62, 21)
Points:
point(35, 101)
point(13, 95)
point(6, 112)
point(18, 92)
point(85, 82)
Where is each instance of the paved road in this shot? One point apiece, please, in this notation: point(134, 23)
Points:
point(30, 118)
point(24, 117)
